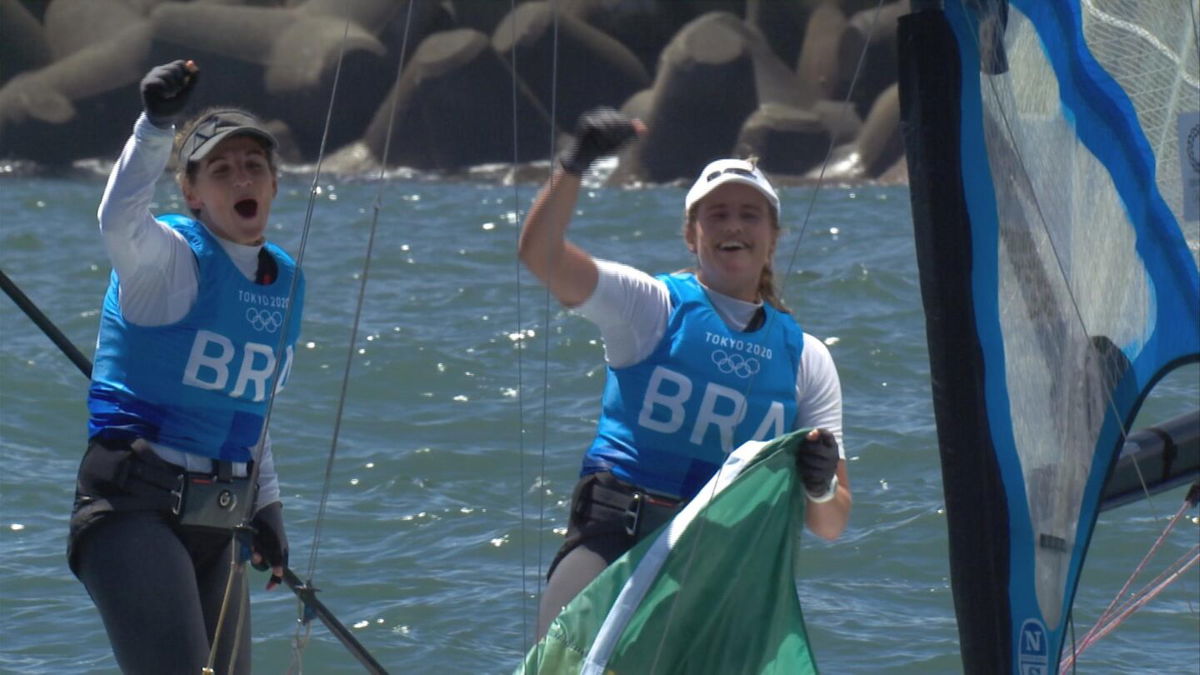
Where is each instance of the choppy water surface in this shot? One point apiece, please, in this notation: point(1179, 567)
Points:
point(470, 400)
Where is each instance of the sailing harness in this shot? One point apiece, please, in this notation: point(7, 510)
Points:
point(604, 505)
point(117, 476)
point(209, 501)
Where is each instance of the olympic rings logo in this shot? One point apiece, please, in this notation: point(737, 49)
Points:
point(735, 363)
point(264, 319)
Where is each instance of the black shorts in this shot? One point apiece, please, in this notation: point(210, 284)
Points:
point(614, 514)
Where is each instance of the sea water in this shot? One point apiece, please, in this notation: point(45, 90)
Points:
point(469, 400)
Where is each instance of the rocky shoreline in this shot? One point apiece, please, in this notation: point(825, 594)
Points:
point(808, 86)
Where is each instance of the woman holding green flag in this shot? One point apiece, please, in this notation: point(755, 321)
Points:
point(698, 361)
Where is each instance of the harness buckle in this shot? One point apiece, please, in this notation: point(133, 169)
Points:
point(177, 494)
point(633, 514)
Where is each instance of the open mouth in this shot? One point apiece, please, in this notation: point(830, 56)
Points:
point(247, 208)
point(732, 246)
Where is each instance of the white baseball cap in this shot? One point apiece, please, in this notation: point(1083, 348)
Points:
point(724, 171)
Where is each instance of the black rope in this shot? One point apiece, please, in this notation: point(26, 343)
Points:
point(56, 336)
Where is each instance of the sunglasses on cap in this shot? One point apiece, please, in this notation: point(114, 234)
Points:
point(216, 127)
point(734, 170)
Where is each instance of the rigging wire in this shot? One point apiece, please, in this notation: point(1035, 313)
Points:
point(299, 643)
point(237, 561)
point(547, 303)
point(1118, 610)
point(519, 333)
point(812, 201)
point(1071, 625)
point(1138, 600)
point(539, 481)
point(376, 209)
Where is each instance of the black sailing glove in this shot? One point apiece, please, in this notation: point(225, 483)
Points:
point(599, 132)
point(817, 461)
point(270, 541)
point(165, 91)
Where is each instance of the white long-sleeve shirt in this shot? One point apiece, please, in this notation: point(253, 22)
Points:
point(631, 309)
point(158, 270)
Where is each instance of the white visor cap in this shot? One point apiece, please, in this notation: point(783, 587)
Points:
point(724, 171)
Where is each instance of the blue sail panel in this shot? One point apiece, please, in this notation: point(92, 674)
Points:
point(1050, 200)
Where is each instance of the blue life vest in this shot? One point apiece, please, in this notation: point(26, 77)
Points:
point(201, 384)
point(669, 421)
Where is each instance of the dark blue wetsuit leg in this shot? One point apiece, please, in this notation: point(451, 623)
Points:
point(156, 593)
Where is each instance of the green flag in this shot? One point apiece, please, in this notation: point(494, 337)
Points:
point(711, 592)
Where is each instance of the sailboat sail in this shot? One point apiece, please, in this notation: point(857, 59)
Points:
point(713, 592)
point(1055, 184)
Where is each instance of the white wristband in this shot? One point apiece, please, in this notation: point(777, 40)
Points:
point(829, 494)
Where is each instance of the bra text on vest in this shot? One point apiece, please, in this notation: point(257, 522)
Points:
point(210, 358)
point(720, 406)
